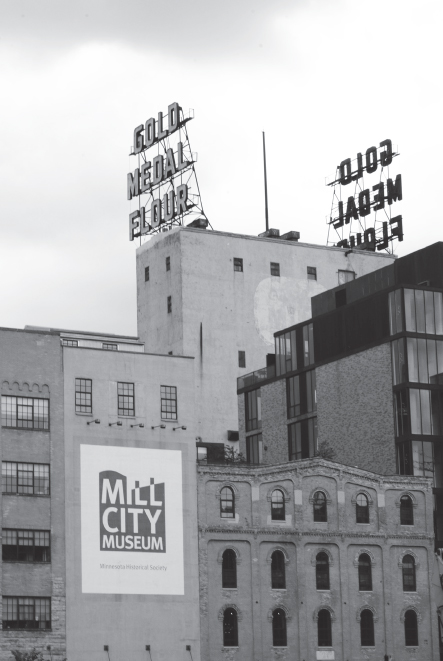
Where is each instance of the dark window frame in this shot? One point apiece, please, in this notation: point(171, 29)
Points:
point(146, 273)
point(230, 628)
point(278, 571)
point(227, 503)
point(242, 358)
point(229, 569)
point(109, 346)
point(21, 482)
point(367, 638)
point(275, 269)
point(168, 403)
point(411, 628)
point(12, 605)
point(31, 549)
point(278, 508)
point(406, 511)
point(83, 388)
point(364, 573)
point(311, 272)
point(67, 342)
point(124, 398)
point(169, 304)
point(324, 628)
point(409, 574)
point(168, 263)
point(238, 264)
point(322, 577)
point(254, 448)
point(253, 418)
point(320, 507)
point(7, 415)
point(279, 628)
point(362, 511)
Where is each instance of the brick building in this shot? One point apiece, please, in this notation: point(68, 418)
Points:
point(315, 560)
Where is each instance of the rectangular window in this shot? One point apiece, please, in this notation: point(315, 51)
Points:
point(345, 276)
point(275, 268)
point(26, 613)
point(146, 273)
point(83, 396)
point(69, 343)
point(395, 312)
point(25, 413)
point(293, 396)
point(168, 263)
point(312, 273)
point(253, 409)
point(254, 449)
point(424, 311)
point(238, 264)
point(125, 396)
point(169, 304)
point(168, 396)
point(308, 344)
point(31, 479)
point(301, 394)
point(425, 360)
point(398, 361)
point(401, 413)
point(109, 346)
point(26, 545)
point(426, 408)
point(286, 353)
point(302, 439)
point(242, 358)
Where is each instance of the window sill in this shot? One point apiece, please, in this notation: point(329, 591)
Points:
point(27, 562)
point(88, 415)
point(27, 495)
point(33, 631)
point(225, 648)
point(25, 429)
point(126, 417)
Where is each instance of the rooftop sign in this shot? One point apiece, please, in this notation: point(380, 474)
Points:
point(164, 183)
point(364, 219)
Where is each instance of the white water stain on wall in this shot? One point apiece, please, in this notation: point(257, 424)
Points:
point(282, 302)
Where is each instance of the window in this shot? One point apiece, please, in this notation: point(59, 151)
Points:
point(302, 439)
point(31, 479)
point(168, 396)
point(227, 503)
point(83, 396)
point(426, 409)
point(398, 354)
point(340, 298)
point(364, 573)
point(411, 629)
point(26, 545)
point(408, 571)
point(424, 311)
point(286, 352)
point(110, 346)
point(322, 571)
point(324, 628)
point(279, 636)
point(230, 628)
point(25, 413)
point(253, 409)
point(312, 273)
point(395, 312)
point(345, 276)
point(242, 358)
point(367, 628)
point(362, 509)
point(229, 569)
point(238, 264)
point(254, 449)
point(277, 505)
point(146, 273)
point(308, 344)
point(69, 343)
point(26, 613)
point(320, 507)
point(169, 304)
point(406, 511)
point(301, 394)
point(125, 396)
point(168, 263)
point(275, 268)
point(278, 572)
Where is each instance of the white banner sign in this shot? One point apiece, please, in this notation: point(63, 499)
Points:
point(131, 520)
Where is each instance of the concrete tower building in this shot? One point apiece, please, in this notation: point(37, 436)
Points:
point(220, 297)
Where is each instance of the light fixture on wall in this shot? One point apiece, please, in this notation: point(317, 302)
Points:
point(140, 424)
point(118, 423)
point(96, 421)
point(174, 428)
point(161, 426)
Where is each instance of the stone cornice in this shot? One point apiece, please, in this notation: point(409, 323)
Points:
point(312, 533)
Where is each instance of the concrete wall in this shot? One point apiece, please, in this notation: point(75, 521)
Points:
point(218, 312)
point(128, 622)
point(355, 409)
point(254, 536)
point(30, 366)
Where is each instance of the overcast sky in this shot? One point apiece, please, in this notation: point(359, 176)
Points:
point(324, 78)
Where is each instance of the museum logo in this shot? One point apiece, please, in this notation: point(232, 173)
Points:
point(131, 519)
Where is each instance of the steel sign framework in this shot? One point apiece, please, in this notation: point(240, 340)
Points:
point(164, 184)
point(364, 220)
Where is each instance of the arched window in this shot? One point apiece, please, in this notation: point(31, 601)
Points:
point(406, 511)
point(278, 578)
point(279, 636)
point(362, 509)
point(322, 571)
point(230, 628)
point(277, 505)
point(364, 573)
point(408, 570)
point(320, 507)
point(324, 629)
point(227, 503)
point(229, 569)
point(367, 628)
point(411, 629)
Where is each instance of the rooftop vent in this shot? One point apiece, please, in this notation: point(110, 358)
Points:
point(270, 234)
point(199, 223)
point(291, 236)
